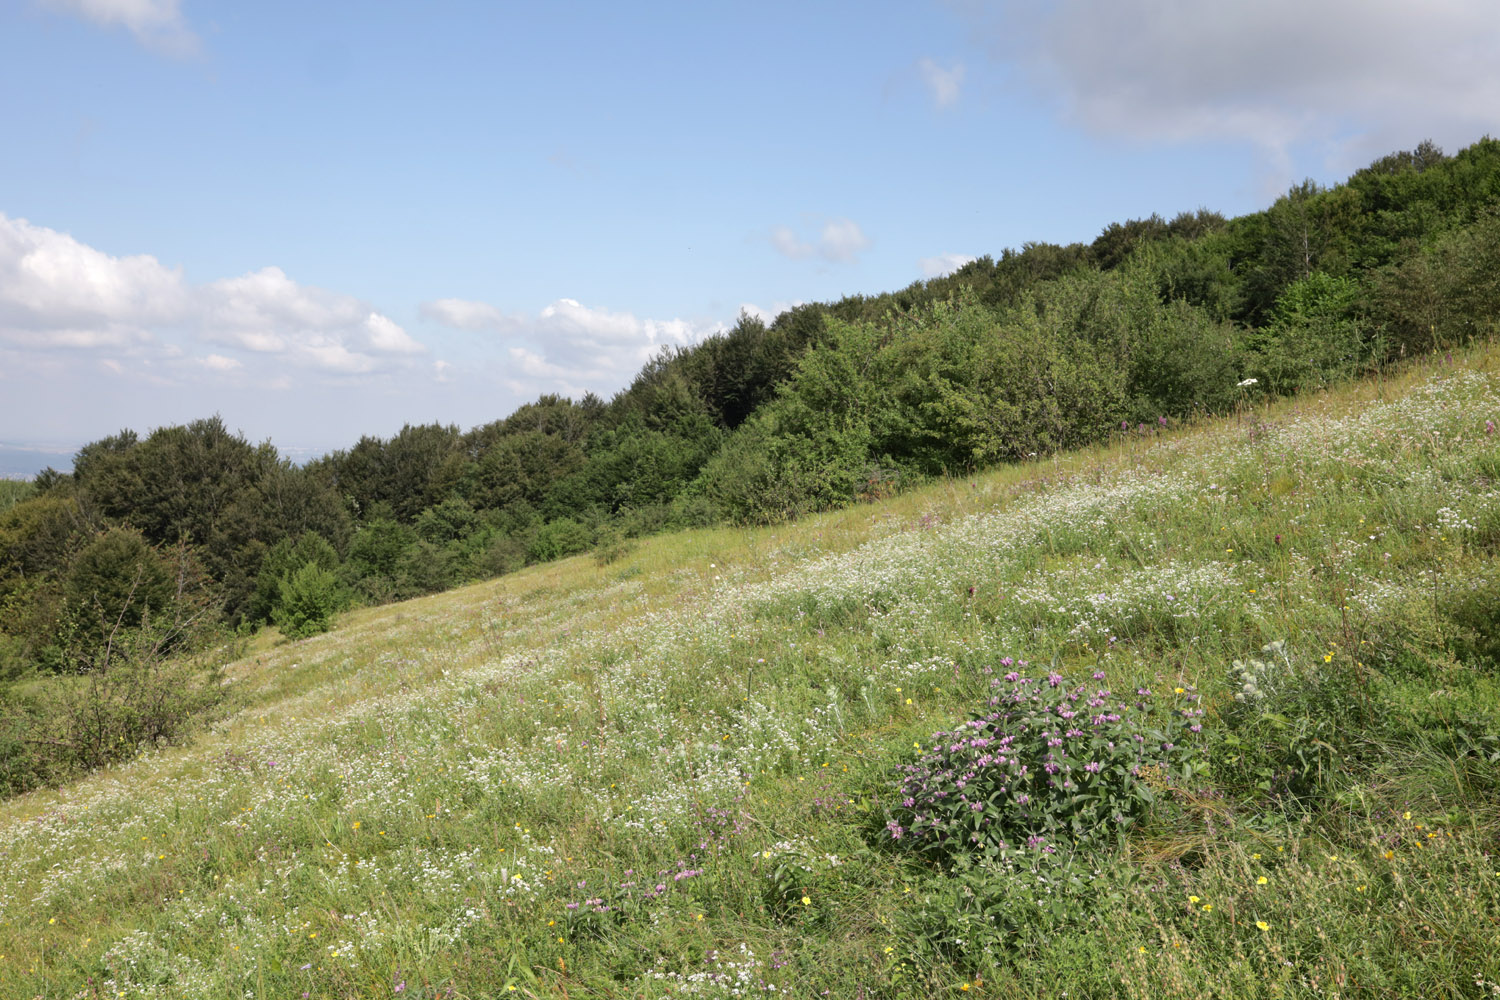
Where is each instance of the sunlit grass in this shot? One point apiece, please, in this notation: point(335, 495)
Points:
point(625, 779)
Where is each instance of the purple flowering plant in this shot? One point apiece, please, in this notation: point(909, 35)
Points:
point(1044, 763)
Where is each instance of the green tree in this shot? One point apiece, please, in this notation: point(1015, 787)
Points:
point(307, 601)
point(283, 560)
point(117, 582)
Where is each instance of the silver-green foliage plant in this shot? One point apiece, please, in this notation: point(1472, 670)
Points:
point(1256, 679)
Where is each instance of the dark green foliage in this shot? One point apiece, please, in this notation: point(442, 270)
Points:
point(1120, 241)
point(374, 560)
point(519, 468)
point(450, 521)
point(425, 569)
point(404, 475)
point(284, 559)
point(307, 600)
point(198, 484)
point(956, 386)
point(39, 536)
point(556, 539)
point(1315, 336)
point(1443, 295)
point(1186, 364)
point(116, 582)
point(178, 484)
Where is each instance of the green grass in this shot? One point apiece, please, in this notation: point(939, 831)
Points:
point(433, 794)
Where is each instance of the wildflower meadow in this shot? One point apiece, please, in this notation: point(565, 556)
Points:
point(1206, 711)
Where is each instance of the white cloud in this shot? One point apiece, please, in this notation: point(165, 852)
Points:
point(219, 363)
point(383, 336)
point(57, 293)
point(51, 282)
point(838, 240)
point(266, 312)
point(158, 24)
point(1357, 78)
point(570, 347)
point(943, 263)
point(943, 83)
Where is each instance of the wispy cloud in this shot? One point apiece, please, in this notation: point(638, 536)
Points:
point(944, 83)
point(1355, 78)
point(157, 24)
point(462, 314)
point(838, 240)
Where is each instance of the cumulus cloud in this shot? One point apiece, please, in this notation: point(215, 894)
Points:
point(57, 293)
point(158, 24)
point(50, 281)
point(943, 263)
point(571, 347)
point(838, 240)
point(1357, 77)
point(943, 83)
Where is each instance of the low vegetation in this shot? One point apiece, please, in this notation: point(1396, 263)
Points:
point(741, 761)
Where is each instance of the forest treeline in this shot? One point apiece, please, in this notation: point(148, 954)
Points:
point(1036, 350)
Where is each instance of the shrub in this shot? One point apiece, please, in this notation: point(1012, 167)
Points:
point(307, 602)
point(557, 539)
point(134, 696)
point(1045, 762)
point(612, 546)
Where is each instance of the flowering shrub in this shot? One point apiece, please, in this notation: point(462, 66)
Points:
point(1046, 761)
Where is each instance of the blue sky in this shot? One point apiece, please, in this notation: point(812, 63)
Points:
point(325, 220)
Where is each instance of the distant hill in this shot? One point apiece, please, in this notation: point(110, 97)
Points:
point(21, 462)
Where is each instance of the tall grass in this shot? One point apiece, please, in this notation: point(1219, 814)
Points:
point(668, 774)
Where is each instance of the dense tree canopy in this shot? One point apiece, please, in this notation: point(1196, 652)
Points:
point(1038, 349)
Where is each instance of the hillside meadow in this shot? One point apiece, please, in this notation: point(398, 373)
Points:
point(676, 767)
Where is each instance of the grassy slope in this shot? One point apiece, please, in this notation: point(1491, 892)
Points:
point(411, 803)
